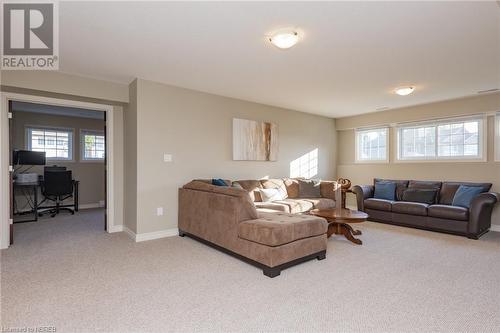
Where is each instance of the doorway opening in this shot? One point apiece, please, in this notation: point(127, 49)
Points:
point(58, 165)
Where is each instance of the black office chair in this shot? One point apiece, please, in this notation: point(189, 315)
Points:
point(54, 168)
point(57, 186)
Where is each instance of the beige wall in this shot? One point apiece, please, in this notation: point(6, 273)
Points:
point(196, 128)
point(62, 83)
point(467, 171)
point(90, 174)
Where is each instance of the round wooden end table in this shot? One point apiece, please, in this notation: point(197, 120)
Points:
point(339, 220)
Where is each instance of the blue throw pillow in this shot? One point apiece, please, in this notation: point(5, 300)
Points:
point(465, 194)
point(385, 190)
point(218, 182)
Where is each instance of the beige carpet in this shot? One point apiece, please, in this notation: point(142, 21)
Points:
point(69, 274)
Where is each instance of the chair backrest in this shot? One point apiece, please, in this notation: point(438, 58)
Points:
point(58, 183)
point(54, 168)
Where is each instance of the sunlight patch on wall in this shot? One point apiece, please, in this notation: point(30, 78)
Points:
point(305, 166)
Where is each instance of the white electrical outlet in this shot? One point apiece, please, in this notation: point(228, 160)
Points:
point(167, 157)
point(159, 211)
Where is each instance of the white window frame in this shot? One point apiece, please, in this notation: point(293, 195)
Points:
point(358, 131)
point(497, 137)
point(71, 131)
point(482, 136)
point(83, 132)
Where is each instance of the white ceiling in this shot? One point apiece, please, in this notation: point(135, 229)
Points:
point(351, 56)
point(56, 110)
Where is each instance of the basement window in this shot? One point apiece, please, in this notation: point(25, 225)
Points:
point(93, 145)
point(57, 143)
point(372, 145)
point(451, 139)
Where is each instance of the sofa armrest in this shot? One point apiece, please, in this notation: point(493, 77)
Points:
point(480, 212)
point(362, 192)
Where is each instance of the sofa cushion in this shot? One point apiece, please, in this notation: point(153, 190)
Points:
point(277, 184)
point(401, 185)
point(275, 229)
point(252, 186)
point(424, 184)
point(292, 187)
point(327, 189)
point(449, 212)
point(273, 205)
point(309, 188)
point(385, 191)
point(465, 194)
point(427, 196)
point(271, 194)
point(320, 203)
point(296, 205)
point(411, 208)
point(379, 204)
point(448, 190)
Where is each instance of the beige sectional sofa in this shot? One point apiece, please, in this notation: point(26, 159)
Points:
point(271, 237)
point(292, 202)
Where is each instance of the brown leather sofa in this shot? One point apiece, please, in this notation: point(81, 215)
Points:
point(440, 216)
point(225, 217)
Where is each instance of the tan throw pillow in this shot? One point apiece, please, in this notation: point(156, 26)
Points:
point(309, 188)
point(271, 194)
point(277, 184)
point(292, 187)
point(252, 186)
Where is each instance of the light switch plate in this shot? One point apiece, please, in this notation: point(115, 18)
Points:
point(159, 211)
point(167, 157)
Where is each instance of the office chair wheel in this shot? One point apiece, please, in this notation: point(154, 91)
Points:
point(72, 213)
point(53, 215)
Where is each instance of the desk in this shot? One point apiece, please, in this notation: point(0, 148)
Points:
point(33, 187)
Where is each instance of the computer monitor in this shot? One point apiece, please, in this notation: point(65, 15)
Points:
point(27, 157)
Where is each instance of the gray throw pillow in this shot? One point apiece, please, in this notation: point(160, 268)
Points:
point(309, 188)
point(427, 196)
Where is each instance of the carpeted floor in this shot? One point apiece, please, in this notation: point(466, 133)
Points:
point(68, 273)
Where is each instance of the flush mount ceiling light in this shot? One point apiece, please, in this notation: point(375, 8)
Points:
point(403, 91)
point(284, 39)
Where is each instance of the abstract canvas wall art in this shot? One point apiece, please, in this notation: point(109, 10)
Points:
point(254, 140)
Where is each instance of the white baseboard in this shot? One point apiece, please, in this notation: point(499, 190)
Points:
point(90, 205)
point(129, 233)
point(150, 235)
point(495, 227)
point(116, 228)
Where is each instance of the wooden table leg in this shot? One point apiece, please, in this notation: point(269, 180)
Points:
point(349, 232)
point(344, 229)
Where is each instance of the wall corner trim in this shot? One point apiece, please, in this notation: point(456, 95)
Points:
point(150, 235)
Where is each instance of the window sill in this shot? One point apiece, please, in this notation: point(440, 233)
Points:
point(371, 162)
point(92, 161)
point(451, 160)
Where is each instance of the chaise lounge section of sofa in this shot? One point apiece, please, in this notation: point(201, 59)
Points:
point(440, 215)
point(226, 218)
